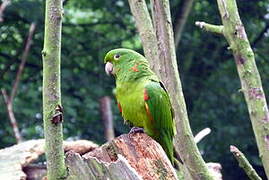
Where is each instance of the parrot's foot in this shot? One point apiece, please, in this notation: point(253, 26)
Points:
point(136, 130)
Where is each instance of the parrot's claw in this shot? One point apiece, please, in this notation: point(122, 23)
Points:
point(136, 130)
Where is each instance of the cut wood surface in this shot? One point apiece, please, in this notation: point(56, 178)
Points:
point(129, 156)
point(13, 159)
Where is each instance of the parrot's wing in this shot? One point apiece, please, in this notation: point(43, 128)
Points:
point(160, 125)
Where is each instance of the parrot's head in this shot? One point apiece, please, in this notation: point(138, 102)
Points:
point(120, 59)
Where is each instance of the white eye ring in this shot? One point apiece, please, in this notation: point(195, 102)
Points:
point(116, 56)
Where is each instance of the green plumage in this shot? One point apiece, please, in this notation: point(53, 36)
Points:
point(142, 98)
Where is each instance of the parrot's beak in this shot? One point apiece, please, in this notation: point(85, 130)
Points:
point(109, 68)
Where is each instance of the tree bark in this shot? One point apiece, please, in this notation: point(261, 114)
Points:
point(147, 33)
point(133, 156)
point(165, 58)
point(184, 141)
point(234, 32)
point(105, 107)
point(52, 109)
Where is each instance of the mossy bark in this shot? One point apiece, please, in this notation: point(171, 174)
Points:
point(147, 34)
point(249, 75)
point(234, 32)
point(244, 163)
point(52, 111)
point(158, 42)
point(184, 141)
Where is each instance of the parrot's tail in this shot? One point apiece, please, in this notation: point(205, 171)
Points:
point(166, 141)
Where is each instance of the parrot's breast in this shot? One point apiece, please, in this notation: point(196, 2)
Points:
point(130, 97)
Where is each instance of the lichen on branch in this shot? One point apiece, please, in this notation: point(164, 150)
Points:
point(52, 109)
point(244, 163)
point(234, 32)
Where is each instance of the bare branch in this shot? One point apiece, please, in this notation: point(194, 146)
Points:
point(235, 34)
point(218, 29)
point(5, 96)
point(181, 18)
point(91, 24)
point(251, 83)
point(9, 99)
point(244, 163)
point(202, 134)
point(11, 116)
point(260, 35)
point(23, 60)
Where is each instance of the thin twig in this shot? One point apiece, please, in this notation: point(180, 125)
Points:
point(23, 60)
point(218, 29)
point(9, 99)
point(244, 163)
point(181, 18)
point(5, 96)
point(260, 36)
point(12, 117)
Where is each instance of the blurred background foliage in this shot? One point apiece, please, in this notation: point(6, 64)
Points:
point(91, 28)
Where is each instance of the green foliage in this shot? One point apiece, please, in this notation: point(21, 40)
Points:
point(91, 28)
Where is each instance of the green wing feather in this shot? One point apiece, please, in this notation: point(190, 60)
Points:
point(160, 124)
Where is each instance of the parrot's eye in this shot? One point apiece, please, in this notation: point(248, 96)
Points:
point(116, 56)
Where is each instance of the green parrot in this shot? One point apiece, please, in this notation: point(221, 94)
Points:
point(142, 98)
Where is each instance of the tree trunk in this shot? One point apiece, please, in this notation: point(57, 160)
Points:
point(184, 141)
point(165, 59)
point(133, 156)
point(234, 32)
point(52, 109)
point(147, 33)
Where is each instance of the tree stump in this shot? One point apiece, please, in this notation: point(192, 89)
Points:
point(133, 156)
